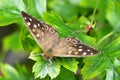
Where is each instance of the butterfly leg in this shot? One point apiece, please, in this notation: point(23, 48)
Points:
point(50, 61)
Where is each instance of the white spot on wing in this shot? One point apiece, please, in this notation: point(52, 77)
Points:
point(70, 48)
point(25, 18)
point(80, 50)
point(30, 19)
point(42, 28)
point(37, 35)
point(80, 46)
point(88, 50)
point(38, 24)
point(42, 33)
point(91, 53)
point(33, 30)
point(75, 45)
point(28, 23)
point(76, 53)
point(69, 52)
point(84, 53)
point(35, 26)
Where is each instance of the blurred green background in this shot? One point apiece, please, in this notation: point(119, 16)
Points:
point(69, 18)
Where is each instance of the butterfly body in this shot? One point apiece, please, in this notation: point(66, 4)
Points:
point(53, 46)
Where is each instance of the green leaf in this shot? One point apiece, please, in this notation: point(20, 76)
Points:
point(86, 3)
point(40, 6)
point(24, 72)
point(94, 66)
point(9, 72)
point(97, 64)
point(113, 15)
point(117, 63)
point(12, 42)
point(117, 69)
point(41, 68)
point(55, 20)
point(38, 68)
point(85, 38)
point(28, 43)
point(65, 74)
point(33, 7)
point(65, 9)
point(110, 74)
point(69, 63)
point(113, 48)
point(36, 54)
point(54, 69)
point(9, 11)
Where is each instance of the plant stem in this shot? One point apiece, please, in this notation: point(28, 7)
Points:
point(93, 16)
point(108, 35)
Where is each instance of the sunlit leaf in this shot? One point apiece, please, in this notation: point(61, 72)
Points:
point(43, 68)
point(9, 11)
point(70, 64)
point(98, 64)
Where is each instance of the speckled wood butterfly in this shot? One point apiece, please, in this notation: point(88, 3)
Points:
point(53, 46)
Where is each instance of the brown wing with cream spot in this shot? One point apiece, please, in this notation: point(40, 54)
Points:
point(44, 34)
point(71, 47)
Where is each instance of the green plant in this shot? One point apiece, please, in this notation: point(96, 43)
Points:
point(69, 18)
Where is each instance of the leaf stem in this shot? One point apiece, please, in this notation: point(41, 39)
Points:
point(93, 16)
point(108, 35)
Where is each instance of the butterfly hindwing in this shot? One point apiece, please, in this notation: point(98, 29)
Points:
point(71, 47)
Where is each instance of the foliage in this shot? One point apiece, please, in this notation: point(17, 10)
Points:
point(69, 18)
point(10, 73)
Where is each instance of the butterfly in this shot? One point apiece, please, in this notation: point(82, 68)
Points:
point(53, 46)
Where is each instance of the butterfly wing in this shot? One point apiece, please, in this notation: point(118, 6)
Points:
point(47, 39)
point(44, 34)
point(71, 47)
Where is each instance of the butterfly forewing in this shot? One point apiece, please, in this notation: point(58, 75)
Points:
point(47, 39)
point(43, 33)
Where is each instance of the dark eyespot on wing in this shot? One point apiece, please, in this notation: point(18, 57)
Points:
point(72, 40)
